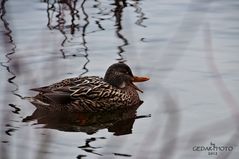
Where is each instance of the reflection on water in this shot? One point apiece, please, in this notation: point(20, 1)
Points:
point(196, 64)
point(58, 19)
point(72, 21)
point(118, 11)
point(9, 47)
point(88, 148)
point(11, 68)
point(119, 122)
point(59, 9)
point(58, 13)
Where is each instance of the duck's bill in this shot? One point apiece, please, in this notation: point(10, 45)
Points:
point(140, 79)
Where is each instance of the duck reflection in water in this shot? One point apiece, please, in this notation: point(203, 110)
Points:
point(120, 122)
point(91, 101)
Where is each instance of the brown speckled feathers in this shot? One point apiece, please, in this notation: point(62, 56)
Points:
point(92, 93)
point(88, 94)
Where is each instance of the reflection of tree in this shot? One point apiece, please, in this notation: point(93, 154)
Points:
point(90, 149)
point(118, 13)
point(11, 67)
point(141, 14)
point(120, 5)
point(84, 35)
point(63, 5)
point(60, 8)
point(10, 48)
point(59, 11)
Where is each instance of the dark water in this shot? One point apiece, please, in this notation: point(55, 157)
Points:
point(189, 49)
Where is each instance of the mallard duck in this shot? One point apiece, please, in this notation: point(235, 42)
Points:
point(92, 93)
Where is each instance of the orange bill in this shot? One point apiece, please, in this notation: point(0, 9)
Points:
point(140, 79)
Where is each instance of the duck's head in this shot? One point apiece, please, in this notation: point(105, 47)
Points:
point(121, 76)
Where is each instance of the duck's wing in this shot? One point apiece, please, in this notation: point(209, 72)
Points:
point(94, 89)
point(87, 87)
point(97, 89)
point(50, 88)
point(62, 84)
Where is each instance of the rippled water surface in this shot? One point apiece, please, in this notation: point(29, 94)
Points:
point(189, 49)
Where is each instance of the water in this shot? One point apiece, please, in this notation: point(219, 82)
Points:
point(189, 49)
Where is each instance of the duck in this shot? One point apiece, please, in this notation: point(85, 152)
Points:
point(92, 93)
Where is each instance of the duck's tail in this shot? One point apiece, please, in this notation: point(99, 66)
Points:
point(38, 103)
